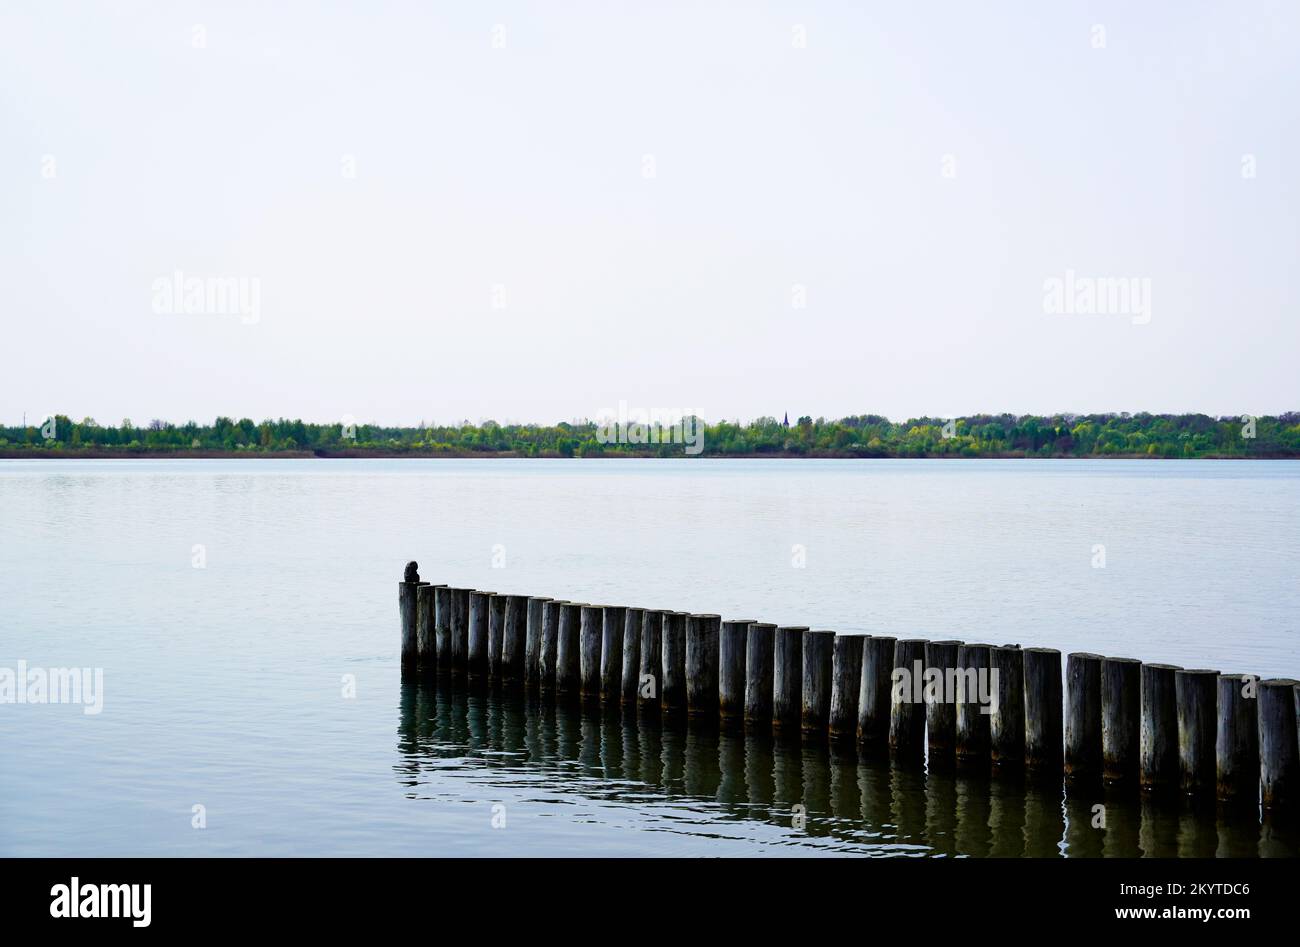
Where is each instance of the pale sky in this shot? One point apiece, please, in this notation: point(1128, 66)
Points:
point(448, 212)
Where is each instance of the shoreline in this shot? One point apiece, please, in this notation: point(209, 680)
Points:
point(551, 455)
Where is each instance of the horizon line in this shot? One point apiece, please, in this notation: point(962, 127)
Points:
point(32, 420)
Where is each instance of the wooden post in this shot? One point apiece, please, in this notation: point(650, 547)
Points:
point(652, 658)
point(514, 638)
point(673, 642)
point(443, 605)
point(759, 642)
point(1158, 755)
point(611, 652)
point(846, 685)
point(496, 634)
point(460, 629)
point(479, 620)
point(546, 660)
point(972, 713)
point(632, 626)
point(1083, 716)
point(733, 642)
point(568, 666)
point(1043, 738)
point(818, 666)
point(907, 701)
point(941, 708)
point(1236, 744)
point(426, 654)
point(591, 634)
point(1007, 722)
point(874, 703)
point(787, 676)
point(702, 664)
point(533, 640)
point(1279, 756)
point(1196, 695)
point(407, 591)
point(1121, 715)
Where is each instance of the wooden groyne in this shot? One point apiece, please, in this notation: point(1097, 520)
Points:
point(943, 703)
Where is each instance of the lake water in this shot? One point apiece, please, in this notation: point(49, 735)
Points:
point(224, 685)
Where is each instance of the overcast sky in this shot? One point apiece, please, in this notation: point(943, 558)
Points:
point(536, 211)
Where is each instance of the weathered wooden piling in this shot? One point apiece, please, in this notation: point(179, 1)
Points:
point(459, 629)
point(611, 651)
point(1195, 692)
point(546, 659)
point(443, 599)
point(941, 702)
point(760, 642)
point(1083, 716)
point(1236, 743)
point(846, 685)
point(907, 700)
point(1157, 725)
point(533, 639)
point(702, 633)
point(496, 634)
point(1044, 746)
point(972, 749)
point(818, 666)
point(787, 676)
point(631, 670)
point(1007, 722)
point(568, 647)
point(1121, 719)
point(1279, 755)
point(426, 653)
point(514, 638)
point(479, 619)
point(874, 700)
point(652, 658)
point(673, 644)
point(733, 645)
point(407, 606)
point(1158, 753)
point(591, 635)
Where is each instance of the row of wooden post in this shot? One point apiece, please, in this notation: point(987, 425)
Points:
point(1151, 725)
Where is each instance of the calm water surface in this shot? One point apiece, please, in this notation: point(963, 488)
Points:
point(225, 685)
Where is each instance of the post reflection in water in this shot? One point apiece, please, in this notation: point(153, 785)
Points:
point(668, 773)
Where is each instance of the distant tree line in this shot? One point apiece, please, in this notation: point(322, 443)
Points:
point(986, 435)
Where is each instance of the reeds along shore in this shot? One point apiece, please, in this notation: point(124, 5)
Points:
point(1155, 727)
